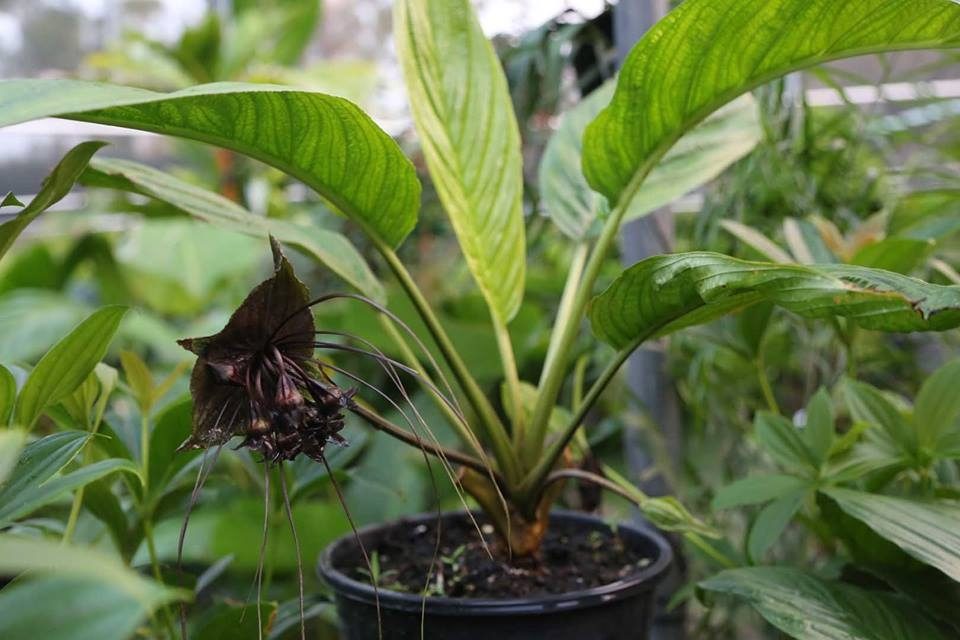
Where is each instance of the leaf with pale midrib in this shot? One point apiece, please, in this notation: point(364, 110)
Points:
point(663, 294)
point(324, 141)
point(464, 116)
point(707, 52)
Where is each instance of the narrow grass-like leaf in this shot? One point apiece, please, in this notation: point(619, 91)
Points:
point(662, 294)
point(8, 394)
point(808, 608)
point(324, 141)
point(463, 113)
point(64, 367)
point(716, 50)
point(37, 496)
point(928, 531)
point(328, 247)
point(54, 188)
point(39, 461)
point(818, 434)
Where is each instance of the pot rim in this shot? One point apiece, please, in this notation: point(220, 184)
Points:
point(643, 580)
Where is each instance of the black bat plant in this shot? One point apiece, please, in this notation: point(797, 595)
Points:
point(259, 378)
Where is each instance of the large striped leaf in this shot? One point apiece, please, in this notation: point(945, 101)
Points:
point(662, 294)
point(329, 247)
point(929, 531)
point(707, 52)
point(722, 139)
point(464, 116)
point(325, 141)
point(808, 608)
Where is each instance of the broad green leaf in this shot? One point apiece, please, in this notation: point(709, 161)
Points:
point(11, 444)
point(703, 154)
point(84, 609)
point(868, 404)
point(928, 531)
point(662, 294)
point(8, 394)
point(33, 319)
point(328, 247)
point(707, 52)
point(937, 405)
point(757, 489)
point(74, 583)
point(819, 431)
point(54, 188)
point(782, 441)
point(901, 255)
point(37, 496)
point(67, 364)
point(771, 521)
point(326, 142)
point(171, 429)
point(464, 116)
point(808, 608)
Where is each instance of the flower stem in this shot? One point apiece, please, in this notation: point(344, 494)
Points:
point(494, 428)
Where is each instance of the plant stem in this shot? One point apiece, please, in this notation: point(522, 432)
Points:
point(382, 424)
point(553, 375)
point(566, 303)
point(548, 459)
point(509, 363)
point(157, 574)
point(494, 428)
point(765, 386)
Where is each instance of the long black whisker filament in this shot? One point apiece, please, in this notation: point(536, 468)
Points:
point(356, 535)
point(296, 544)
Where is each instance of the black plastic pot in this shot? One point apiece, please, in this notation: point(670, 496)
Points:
point(618, 611)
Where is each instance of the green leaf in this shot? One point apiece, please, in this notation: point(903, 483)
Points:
point(84, 609)
point(54, 188)
point(782, 441)
point(67, 364)
point(11, 444)
point(808, 608)
point(171, 428)
point(463, 114)
point(937, 405)
point(867, 404)
point(756, 241)
point(328, 247)
point(35, 497)
point(702, 155)
point(8, 395)
point(928, 531)
point(95, 577)
point(225, 622)
point(10, 200)
point(39, 461)
point(699, 58)
point(326, 142)
point(902, 255)
point(771, 521)
point(139, 379)
point(662, 294)
point(757, 489)
point(819, 431)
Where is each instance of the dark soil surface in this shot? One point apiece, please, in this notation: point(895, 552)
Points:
point(571, 559)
